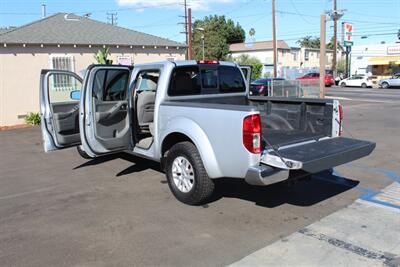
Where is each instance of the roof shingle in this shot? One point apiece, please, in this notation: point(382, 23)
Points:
point(63, 28)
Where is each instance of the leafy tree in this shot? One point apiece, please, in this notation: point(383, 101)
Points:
point(255, 63)
point(309, 42)
point(252, 32)
point(341, 66)
point(102, 56)
point(314, 42)
point(218, 34)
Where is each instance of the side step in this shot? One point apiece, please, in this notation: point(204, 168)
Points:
point(320, 155)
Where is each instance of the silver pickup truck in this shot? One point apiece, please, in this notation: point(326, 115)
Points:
point(197, 120)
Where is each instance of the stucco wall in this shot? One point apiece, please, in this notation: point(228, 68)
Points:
point(20, 72)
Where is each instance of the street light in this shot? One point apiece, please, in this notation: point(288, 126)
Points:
point(202, 30)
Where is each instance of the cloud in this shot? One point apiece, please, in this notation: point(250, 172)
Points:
point(194, 4)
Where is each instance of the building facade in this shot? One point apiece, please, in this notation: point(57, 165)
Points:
point(378, 60)
point(24, 51)
point(298, 59)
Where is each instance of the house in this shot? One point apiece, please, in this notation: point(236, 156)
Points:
point(68, 42)
point(301, 59)
point(380, 60)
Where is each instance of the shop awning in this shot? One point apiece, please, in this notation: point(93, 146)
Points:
point(385, 60)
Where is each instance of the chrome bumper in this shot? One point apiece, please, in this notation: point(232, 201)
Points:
point(265, 175)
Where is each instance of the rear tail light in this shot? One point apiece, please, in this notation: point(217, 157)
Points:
point(207, 62)
point(341, 115)
point(252, 133)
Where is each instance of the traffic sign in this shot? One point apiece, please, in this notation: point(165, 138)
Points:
point(348, 34)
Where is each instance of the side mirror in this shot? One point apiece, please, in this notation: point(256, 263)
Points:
point(75, 95)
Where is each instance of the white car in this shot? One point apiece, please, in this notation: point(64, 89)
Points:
point(357, 81)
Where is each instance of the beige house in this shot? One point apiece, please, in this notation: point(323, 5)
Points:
point(288, 57)
point(67, 42)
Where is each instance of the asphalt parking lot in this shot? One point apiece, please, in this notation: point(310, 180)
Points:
point(58, 209)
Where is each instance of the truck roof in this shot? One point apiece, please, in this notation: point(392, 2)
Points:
point(187, 63)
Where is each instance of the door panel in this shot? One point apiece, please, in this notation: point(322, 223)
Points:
point(107, 114)
point(58, 111)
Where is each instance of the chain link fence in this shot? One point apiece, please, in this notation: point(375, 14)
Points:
point(294, 88)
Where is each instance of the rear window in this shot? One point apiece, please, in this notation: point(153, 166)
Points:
point(207, 79)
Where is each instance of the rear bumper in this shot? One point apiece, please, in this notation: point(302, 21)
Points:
point(265, 175)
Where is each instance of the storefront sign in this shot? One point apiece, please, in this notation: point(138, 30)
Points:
point(393, 50)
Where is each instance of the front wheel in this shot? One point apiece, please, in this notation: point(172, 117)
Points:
point(82, 152)
point(186, 175)
point(385, 85)
point(364, 85)
point(343, 85)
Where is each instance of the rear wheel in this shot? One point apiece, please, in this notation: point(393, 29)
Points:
point(364, 85)
point(385, 85)
point(82, 152)
point(186, 175)
point(343, 84)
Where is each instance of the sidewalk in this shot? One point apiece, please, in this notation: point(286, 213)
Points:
point(367, 233)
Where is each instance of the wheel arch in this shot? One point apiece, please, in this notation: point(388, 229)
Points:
point(187, 130)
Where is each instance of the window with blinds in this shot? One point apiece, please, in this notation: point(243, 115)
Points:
point(62, 82)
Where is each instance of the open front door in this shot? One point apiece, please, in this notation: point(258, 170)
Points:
point(59, 111)
point(105, 120)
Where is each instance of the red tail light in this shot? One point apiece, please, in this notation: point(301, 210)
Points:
point(341, 114)
point(207, 62)
point(252, 133)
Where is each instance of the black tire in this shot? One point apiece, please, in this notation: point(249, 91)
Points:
point(203, 186)
point(385, 85)
point(364, 85)
point(82, 153)
point(343, 84)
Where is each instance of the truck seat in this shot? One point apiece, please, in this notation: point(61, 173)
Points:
point(145, 104)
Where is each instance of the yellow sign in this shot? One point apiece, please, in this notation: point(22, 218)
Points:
point(385, 60)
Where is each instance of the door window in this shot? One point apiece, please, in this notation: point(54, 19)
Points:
point(60, 86)
point(111, 85)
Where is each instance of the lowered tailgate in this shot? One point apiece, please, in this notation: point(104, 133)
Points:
point(317, 156)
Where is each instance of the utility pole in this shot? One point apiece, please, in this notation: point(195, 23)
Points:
point(274, 39)
point(112, 18)
point(322, 56)
point(190, 36)
point(185, 26)
point(334, 59)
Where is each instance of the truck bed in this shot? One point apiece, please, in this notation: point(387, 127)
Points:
point(284, 120)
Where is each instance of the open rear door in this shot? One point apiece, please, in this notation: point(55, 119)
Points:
point(105, 120)
point(247, 74)
point(59, 109)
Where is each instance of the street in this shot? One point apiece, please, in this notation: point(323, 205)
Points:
point(58, 209)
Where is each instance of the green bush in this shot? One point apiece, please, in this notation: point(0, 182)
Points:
point(32, 118)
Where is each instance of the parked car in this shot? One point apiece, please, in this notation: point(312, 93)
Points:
point(261, 86)
point(394, 81)
point(357, 81)
point(329, 81)
point(197, 120)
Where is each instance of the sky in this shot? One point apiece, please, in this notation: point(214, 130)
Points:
point(377, 20)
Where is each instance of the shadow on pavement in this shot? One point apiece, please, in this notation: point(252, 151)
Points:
point(139, 165)
point(301, 193)
point(320, 187)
